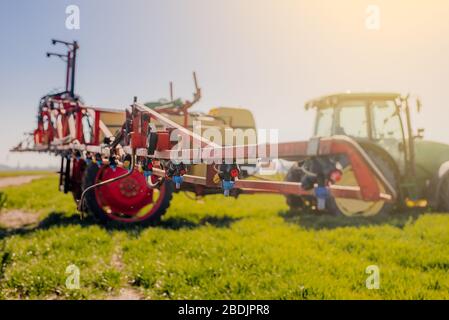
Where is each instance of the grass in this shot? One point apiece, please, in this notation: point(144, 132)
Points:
point(7, 174)
point(40, 196)
point(222, 248)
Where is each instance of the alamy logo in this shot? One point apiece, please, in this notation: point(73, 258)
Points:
point(372, 20)
point(240, 146)
point(72, 21)
point(373, 281)
point(73, 280)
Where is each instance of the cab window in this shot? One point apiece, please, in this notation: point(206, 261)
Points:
point(324, 123)
point(386, 122)
point(352, 120)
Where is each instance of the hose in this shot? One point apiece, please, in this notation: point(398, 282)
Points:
point(307, 172)
point(156, 184)
point(94, 186)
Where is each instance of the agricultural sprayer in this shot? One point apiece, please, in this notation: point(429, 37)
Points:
point(125, 165)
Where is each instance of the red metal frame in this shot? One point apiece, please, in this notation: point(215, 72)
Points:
point(365, 171)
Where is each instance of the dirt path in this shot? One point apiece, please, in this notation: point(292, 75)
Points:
point(15, 219)
point(126, 293)
point(17, 181)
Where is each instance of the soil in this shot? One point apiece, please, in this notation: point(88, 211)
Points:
point(16, 219)
point(17, 181)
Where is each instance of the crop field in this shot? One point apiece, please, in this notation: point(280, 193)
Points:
point(218, 248)
point(7, 174)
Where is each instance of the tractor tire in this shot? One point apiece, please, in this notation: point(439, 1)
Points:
point(294, 202)
point(360, 208)
point(91, 205)
point(443, 194)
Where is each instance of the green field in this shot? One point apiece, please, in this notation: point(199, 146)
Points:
point(222, 248)
point(7, 174)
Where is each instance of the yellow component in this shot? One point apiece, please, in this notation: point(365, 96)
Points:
point(113, 120)
point(409, 203)
point(234, 117)
point(198, 170)
point(354, 207)
point(126, 164)
point(420, 203)
point(216, 179)
point(140, 169)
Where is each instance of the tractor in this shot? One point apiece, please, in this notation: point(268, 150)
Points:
point(381, 124)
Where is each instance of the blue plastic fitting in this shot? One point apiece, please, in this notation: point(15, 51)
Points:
point(178, 180)
point(227, 186)
point(321, 194)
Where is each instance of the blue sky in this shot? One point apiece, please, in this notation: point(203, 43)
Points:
point(266, 55)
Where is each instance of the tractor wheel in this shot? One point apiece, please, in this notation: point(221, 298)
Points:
point(295, 202)
point(128, 200)
point(443, 203)
point(360, 208)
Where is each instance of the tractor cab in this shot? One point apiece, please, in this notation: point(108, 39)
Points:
point(381, 124)
point(376, 120)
